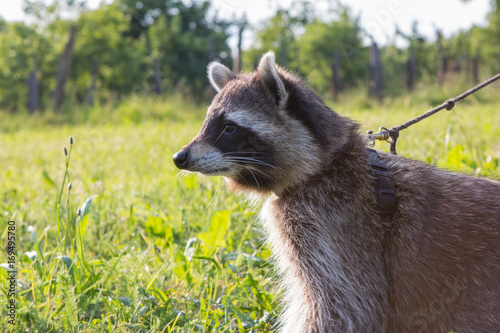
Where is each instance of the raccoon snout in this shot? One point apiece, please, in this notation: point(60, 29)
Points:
point(181, 159)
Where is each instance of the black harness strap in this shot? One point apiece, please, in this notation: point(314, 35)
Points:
point(384, 187)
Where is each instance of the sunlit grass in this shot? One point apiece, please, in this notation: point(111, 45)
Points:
point(160, 251)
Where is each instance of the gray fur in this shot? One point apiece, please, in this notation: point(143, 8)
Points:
point(433, 267)
point(268, 74)
point(219, 75)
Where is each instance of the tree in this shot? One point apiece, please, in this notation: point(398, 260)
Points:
point(64, 68)
point(488, 39)
point(494, 28)
point(21, 46)
point(375, 71)
point(420, 56)
point(410, 70)
point(47, 11)
point(103, 48)
point(441, 58)
point(145, 13)
point(325, 44)
point(33, 97)
point(241, 25)
point(279, 34)
point(184, 41)
point(47, 17)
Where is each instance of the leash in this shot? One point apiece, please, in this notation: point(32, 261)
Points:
point(384, 186)
point(391, 135)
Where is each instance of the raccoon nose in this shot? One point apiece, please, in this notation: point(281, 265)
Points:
point(180, 159)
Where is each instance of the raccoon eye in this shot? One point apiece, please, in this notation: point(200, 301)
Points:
point(229, 129)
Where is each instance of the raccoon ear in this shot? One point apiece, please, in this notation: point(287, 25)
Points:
point(268, 75)
point(219, 75)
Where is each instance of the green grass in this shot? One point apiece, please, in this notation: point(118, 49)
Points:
point(160, 252)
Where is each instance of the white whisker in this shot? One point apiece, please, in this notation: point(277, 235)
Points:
point(215, 193)
point(249, 168)
point(246, 152)
point(257, 170)
point(258, 186)
point(233, 164)
point(182, 173)
point(254, 161)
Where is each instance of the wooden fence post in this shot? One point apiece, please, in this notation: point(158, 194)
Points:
point(475, 68)
point(410, 70)
point(241, 28)
point(33, 89)
point(440, 57)
point(376, 88)
point(335, 81)
point(93, 77)
point(157, 77)
point(64, 68)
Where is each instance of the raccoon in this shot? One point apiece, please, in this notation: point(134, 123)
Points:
point(431, 266)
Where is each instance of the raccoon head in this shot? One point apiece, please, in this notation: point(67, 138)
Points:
point(264, 131)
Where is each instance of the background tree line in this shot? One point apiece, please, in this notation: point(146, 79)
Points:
point(70, 55)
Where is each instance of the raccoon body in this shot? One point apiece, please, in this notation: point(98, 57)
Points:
point(434, 266)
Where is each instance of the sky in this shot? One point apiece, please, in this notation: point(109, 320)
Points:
point(379, 17)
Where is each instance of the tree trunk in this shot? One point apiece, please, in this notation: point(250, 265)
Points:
point(376, 88)
point(212, 52)
point(93, 78)
point(498, 60)
point(335, 82)
point(496, 19)
point(33, 89)
point(410, 71)
point(441, 58)
point(64, 68)
point(241, 27)
point(475, 68)
point(157, 77)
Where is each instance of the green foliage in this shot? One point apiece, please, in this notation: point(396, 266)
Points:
point(394, 66)
point(323, 41)
point(182, 43)
point(279, 34)
point(215, 236)
point(425, 54)
point(173, 40)
point(163, 47)
point(101, 43)
point(20, 47)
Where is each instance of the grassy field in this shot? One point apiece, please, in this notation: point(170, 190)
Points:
point(153, 251)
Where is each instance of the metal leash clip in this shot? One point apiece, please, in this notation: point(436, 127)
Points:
point(382, 134)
